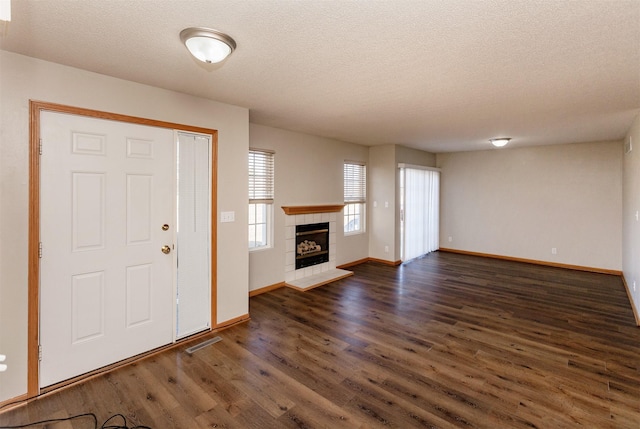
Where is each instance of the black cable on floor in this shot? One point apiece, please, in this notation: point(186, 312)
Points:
point(123, 426)
point(108, 424)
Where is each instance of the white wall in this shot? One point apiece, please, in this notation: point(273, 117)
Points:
point(522, 202)
point(23, 78)
point(631, 224)
point(308, 171)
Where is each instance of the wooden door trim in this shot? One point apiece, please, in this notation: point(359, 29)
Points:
point(35, 110)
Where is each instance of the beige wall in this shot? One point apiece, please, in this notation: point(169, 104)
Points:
point(414, 156)
point(23, 78)
point(631, 215)
point(523, 202)
point(308, 171)
point(384, 198)
point(381, 202)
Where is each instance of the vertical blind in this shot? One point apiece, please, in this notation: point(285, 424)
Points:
point(193, 313)
point(260, 176)
point(355, 182)
point(421, 221)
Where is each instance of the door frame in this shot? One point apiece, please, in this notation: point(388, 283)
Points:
point(35, 109)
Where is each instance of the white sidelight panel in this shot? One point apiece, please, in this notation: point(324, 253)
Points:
point(194, 234)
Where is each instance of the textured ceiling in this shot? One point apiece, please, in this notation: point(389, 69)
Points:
point(436, 75)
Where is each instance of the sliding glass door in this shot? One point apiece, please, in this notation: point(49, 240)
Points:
point(420, 207)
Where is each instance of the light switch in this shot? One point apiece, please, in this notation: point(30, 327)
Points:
point(227, 216)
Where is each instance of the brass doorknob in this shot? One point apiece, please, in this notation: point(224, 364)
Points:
point(166, 249)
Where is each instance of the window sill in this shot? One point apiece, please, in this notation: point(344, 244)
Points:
point(260, 249)
point(352, 233)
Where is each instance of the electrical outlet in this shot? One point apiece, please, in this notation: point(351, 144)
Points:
point(386, 249)
point(450, 239)
point(554, 251)
point(386, 204)
point(634, 285)
point(3, 367)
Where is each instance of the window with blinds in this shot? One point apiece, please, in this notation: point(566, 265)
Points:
point(261, 191)
point(355, 194)
point(260, 176)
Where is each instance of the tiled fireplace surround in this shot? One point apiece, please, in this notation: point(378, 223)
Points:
point(316, 275)
point(290, 272)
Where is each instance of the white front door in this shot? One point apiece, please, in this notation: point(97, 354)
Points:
point(106, 290)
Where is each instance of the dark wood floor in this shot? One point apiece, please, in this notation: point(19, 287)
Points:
point(444, 341)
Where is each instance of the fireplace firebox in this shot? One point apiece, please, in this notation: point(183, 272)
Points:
point(312, 244)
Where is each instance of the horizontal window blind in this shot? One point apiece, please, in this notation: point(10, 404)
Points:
point(261, 166)
point(355, 182)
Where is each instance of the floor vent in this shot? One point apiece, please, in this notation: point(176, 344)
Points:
point(192, 350)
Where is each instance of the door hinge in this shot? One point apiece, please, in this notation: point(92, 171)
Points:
point(39, 353)
point(40, 250)
point(40, 147)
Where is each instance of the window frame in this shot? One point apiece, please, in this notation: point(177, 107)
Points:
point(355, 196)
point(261, 171)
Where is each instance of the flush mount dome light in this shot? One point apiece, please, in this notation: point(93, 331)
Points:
point(499, 142)
point(207, 45)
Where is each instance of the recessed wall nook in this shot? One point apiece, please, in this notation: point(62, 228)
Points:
point(310, 246)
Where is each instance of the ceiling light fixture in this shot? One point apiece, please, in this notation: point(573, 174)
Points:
point(499, 142)
point(207, 45)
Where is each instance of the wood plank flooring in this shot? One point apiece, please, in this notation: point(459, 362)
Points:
point(445, 341)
